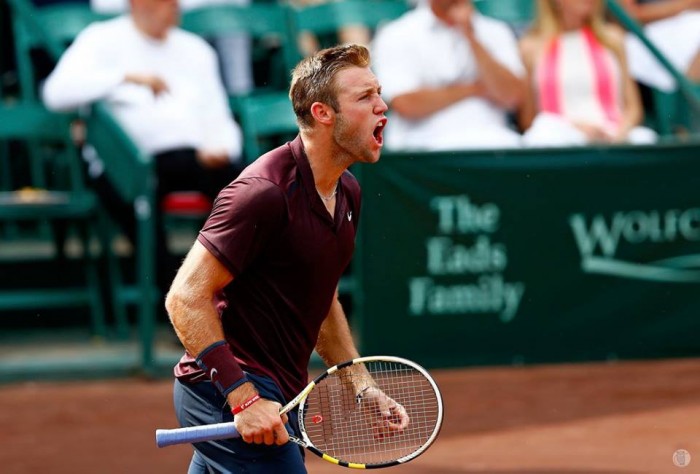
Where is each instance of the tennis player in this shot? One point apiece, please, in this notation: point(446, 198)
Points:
point(258, 290)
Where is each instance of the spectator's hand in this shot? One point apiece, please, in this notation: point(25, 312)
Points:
point(157, 85)
point(594, 133)
point(212, 158)
point(384, 415)
point(461, 15)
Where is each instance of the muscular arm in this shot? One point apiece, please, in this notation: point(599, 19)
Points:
point(191, 307)
point(190, 301)
point(648, 12)
point(335, 343)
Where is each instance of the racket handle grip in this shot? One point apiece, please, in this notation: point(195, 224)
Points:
point(196, 434)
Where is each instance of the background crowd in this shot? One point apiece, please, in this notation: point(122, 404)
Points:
point(455, 77)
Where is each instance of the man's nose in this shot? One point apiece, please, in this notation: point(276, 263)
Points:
point(381, 107)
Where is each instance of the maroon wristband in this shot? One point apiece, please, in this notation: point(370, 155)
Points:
point(218, 363)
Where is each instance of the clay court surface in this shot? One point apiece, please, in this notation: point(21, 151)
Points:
point(606, 418)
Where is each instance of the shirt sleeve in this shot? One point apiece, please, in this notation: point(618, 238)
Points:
point(84, 74)
point(246, 216)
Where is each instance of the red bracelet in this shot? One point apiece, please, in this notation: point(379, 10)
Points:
point(237, 409)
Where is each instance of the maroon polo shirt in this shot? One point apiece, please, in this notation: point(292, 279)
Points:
point(286, 253)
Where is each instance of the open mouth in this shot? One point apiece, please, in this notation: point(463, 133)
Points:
point(379, 132)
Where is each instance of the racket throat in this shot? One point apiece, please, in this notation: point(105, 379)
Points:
point(298, 441)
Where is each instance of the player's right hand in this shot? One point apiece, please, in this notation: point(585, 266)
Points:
point(261, 422)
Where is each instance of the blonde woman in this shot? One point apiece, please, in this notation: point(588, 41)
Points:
point(580, 90)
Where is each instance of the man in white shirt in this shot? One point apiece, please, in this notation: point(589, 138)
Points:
point(233, 49)
point(163, 86)
point(450, 76)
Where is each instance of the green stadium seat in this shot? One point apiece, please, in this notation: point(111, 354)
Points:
point(50, 190)
point(265, 115)
point(267, 120)
point(52, 28)
point(274, 52)
point(518, 13)
point(326, 18)
point(132, 175)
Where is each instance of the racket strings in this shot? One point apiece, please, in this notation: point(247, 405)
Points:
point(354, 430)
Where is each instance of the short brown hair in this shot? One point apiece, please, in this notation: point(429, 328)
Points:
point(313, 78)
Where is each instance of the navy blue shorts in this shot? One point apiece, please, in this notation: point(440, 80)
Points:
point(201, 403)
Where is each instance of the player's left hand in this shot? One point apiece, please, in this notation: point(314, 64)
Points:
point(383, 413)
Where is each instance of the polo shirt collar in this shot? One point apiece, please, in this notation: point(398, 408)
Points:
point(307, 180)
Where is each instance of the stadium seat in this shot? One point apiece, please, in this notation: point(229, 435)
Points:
point(52, 28)
point(326, 18)
point(518, 13)
point(48, 188)
point(265, 115)
point(132, 175)
point(267, 121)
point(274, 52)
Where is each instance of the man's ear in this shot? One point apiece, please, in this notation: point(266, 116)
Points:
point(322, 113)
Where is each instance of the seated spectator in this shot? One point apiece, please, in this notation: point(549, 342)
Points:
point(163, 86)
point(673, 26)
point(580, 89)
point(233, 49)
point(450, 76)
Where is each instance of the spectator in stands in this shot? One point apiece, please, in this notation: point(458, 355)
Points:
point(234, 50)
point(163, 86)
point(450, 76)
point(580, 89)
point(673, 26)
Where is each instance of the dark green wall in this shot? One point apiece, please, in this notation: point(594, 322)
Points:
point(531, 256)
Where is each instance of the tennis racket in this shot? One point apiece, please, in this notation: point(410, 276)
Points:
point(365, 413)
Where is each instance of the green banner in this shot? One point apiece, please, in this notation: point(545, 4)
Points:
point(531, 256)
